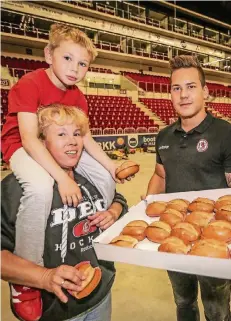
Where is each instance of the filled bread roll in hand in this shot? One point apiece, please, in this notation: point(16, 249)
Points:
point(93, 277)
point(135, 229)
point(128, 168)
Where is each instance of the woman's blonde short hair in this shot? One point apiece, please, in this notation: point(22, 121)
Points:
point(61, 115)
point(59, 32)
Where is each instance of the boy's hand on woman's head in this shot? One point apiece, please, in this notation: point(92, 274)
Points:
point(69, 191)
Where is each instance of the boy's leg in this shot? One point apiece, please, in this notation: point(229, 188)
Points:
point(35, 205)
point(215, 295)
point(98, 176)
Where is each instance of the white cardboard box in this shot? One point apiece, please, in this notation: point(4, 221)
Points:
point(145, 253)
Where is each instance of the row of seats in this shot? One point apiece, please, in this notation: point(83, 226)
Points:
point(222, 108)
point(116, 117)
point(104, 117)
point(162, 84)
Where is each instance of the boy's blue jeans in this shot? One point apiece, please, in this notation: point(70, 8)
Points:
point(215, 295)
point(102, 312)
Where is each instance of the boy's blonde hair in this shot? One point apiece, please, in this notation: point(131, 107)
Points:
point(59, 32)
point(61, 115)
point(187, 61)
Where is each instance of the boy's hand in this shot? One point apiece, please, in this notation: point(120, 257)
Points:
point(69, 191)
point(112, 171)
point(103, 219)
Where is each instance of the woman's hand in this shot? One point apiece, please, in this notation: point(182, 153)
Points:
point(64, 276)
point(104, 219)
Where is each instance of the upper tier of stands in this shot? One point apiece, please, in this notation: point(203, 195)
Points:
point(162, 84)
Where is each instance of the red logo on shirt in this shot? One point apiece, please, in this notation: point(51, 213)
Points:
point(202, 145)
point(83, 228)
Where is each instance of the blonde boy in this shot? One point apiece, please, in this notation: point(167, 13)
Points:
point(69, 54)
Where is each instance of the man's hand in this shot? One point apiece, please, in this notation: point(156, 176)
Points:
point(104, 219)
point(64, 276)
point(69, 191)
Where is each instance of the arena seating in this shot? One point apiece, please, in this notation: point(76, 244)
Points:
point(222, 108)
point(116, 112)
point(19, 66)
point(149, 82)
point(162, 84)
point(162, 108)
point(4, 104)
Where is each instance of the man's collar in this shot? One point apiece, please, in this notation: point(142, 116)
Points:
point(201, 128)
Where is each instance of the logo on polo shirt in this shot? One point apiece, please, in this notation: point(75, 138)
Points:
point(202, 145)
point(163, 147)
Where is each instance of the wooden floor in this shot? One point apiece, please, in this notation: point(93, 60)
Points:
point(139, 293)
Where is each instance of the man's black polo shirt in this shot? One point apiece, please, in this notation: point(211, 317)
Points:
point(198, 159)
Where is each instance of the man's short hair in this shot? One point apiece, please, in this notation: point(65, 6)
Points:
point(59, 32)
point(61, 115)
point(187, 61)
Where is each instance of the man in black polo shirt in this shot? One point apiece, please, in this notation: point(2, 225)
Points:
point(193, 154)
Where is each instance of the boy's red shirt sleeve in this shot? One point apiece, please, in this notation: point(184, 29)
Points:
point(23, 97)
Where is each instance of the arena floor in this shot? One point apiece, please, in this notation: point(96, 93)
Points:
point(139, 293)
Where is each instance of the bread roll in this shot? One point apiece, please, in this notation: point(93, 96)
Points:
point(93, 277)
point(218, 230)
point(186, 232)
point(178, 204)
point(173, 244)
point(204, 200)
point(156, 208)
point(135, 229)
point(158, 231)
point(200, 206)
point(221, 203)
point(224, 213)
point(210, 248)
point(128, 168)
point(199, 218)
point(171, 217)
point(225, 198)
point(124, 241)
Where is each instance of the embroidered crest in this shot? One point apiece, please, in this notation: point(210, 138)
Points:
point(202, 145)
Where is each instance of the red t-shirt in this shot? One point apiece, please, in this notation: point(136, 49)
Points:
point(27, 95)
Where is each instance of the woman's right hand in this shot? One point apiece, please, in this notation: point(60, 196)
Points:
point(64, 276)
point(69, 191)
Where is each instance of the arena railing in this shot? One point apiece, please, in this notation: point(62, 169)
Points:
point(109, 131)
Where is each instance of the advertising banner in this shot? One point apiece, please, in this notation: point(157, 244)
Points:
point(114, 142)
